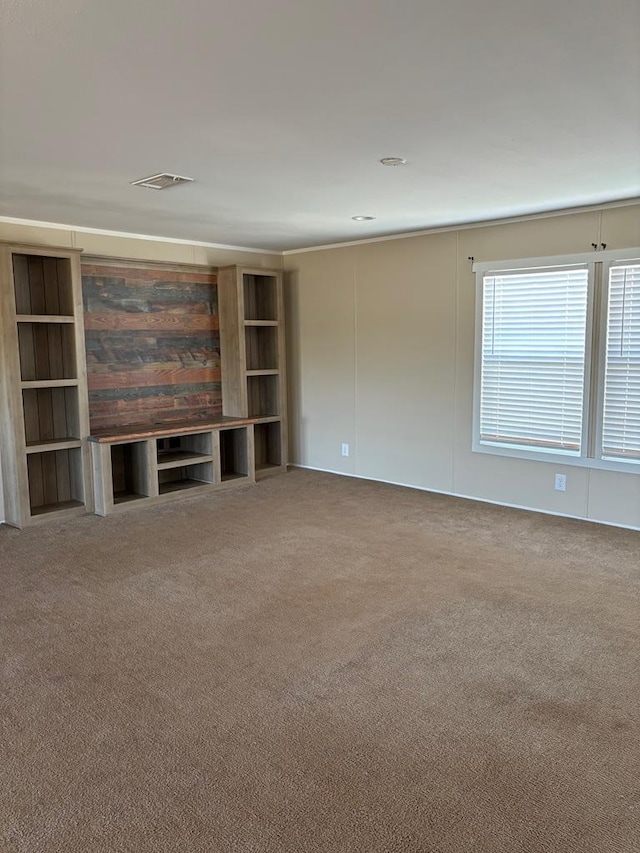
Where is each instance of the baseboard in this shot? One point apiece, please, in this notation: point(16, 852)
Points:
point(468, 497)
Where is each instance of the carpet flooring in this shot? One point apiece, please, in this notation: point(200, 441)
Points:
point(320, 664)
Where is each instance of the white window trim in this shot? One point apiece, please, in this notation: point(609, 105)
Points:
point(594, 359)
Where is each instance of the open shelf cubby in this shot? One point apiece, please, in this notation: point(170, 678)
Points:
point(130, 471)
point(50, 414)
point(268, 445)
point(234, 454)
point(261, 346)
point(185, 477)
point(176, 451)
point(263, 396)
point(260, 296)
point(47, 351)
point(55, 480)
point(43, 285)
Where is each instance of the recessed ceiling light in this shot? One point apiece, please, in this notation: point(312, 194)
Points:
point(362, 218)
point(393, 161)
point(161, 182)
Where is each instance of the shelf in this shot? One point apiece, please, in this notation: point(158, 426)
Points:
point(268, 445)
point(261, 347)
point(261, 322)
point(263, 396)
point(185, 477)
point(50, 413)
point(267, 419)
point(49, 383)
point(45, 318)
point(43, 285)
point(177, 450)
point(178, 458)
point(47, 352)
point(55, 444)
point(260, 296)
point(234, 454)
point(263, 372)
point(60, 506)
point(180, 485)
point(123, 497)
point(129, 471)
point(139, 432)
point(55, 480)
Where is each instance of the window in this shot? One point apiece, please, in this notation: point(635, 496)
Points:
point(541, 337)
point(621, 415)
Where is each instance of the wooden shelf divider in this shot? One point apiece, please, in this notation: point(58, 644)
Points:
point(45, 318)
point(49, 383)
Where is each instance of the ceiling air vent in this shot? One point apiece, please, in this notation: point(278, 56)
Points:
point(161, 182)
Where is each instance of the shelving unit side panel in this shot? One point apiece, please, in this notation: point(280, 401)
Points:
point(70, 273)
point(55, 480)
point(282, 359)
point(102, 477)
point(12, 441)
point(232, 344)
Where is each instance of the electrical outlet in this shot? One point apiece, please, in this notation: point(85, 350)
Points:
point(345, 449)
point(561, 483)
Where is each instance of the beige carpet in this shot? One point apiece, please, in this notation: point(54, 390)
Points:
point(320, 664)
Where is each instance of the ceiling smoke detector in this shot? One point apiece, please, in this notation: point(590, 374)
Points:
point(161, 182)
point(393, 161)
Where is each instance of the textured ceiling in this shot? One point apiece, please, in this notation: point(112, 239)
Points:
point(280, 110)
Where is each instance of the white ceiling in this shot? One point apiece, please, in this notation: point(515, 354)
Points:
point(281, 109)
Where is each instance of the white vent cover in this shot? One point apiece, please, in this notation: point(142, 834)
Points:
point(161, 181)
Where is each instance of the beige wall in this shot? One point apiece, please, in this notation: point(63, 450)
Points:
point(129, 247)
point(381, 343)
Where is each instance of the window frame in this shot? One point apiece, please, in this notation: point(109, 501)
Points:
point(598, 264)
point(630, 465)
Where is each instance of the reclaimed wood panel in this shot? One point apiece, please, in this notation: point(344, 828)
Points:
point(157, 323)
point(152, 344)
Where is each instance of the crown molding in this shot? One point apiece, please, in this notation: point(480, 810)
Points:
point(104, 232)
point(465, 226)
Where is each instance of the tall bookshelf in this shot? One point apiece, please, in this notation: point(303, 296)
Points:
point(43, 392)
point(251, 307)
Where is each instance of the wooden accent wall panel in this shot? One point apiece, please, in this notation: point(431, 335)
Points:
point(152, 343)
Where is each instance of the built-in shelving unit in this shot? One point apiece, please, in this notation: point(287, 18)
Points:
point(43, 393)
point(253, 359)
point(53, 468)
point(157, 466)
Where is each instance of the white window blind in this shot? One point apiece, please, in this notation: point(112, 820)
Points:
point(621, 414)
point(534, 325)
